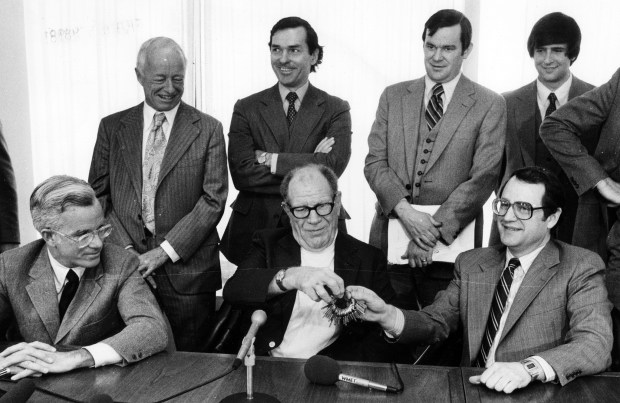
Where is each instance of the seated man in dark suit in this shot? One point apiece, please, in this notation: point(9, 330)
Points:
point(532, 309)
point(69, 289)
point(293, 274)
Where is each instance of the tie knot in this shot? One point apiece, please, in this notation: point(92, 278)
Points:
point(513, 264)
point(72, 277)
point(159, 119)
point(552, 98)
point(291, 97)
point(437, 90)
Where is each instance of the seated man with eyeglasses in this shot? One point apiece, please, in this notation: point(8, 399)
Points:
point(532, 309)
point(69, 299)
point(293, 273)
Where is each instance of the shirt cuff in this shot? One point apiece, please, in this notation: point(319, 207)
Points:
point(399, 325)
point(103, 354)
point(274, 162)
point(170, 251)
point(549, 372)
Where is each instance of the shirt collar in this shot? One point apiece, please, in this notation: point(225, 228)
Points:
point(561, 93)
point(448, 88)
point(149, 112)
point(526, 260)
point(60, 271)
point(301, 91)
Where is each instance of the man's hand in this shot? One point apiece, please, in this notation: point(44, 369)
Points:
point(152, 260)
point(418, 257)
point(503, 377)
point(376, 308)
point(325, 146)
point(610, 190)
point(422, 227)
point(313, 282)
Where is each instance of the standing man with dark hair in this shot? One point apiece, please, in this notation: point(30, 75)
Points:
point(554, 46)
point(9, 223)
point(288, 125)
point(159, 170)
point(437, 140)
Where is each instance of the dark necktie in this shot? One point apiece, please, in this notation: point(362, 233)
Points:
point(551, 108)
point(291, 97)
point(73, 281)
point(497, 309)
point(434, 109)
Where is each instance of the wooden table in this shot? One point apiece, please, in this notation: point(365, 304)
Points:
point(168, 373)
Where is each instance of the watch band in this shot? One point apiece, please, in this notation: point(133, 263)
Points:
point(280, 278)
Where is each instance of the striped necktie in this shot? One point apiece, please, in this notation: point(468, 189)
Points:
point(434, 109)
point(497, 309)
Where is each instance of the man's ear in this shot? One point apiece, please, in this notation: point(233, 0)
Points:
point(467, 51)
point(139, 76)
point(48, 237)
point(553, 219)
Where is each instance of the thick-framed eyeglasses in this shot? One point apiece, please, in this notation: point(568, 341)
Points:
point(522, 210)
point(321, 209)
point(85, 240)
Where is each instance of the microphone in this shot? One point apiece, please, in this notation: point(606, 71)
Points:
point(323, 370)
point(101, 398)
point(259, 317)
point(20, 392)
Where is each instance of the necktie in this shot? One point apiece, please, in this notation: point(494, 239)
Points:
point(497, 308)
point(68, 293)
point(291, 97)
point(434, 109)
point(551, 108)
point(155, 149)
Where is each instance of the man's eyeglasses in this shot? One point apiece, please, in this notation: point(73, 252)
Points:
point(85, 240)
point(522, 210)
point(321, 209)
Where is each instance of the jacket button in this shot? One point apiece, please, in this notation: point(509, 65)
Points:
point(417, 185)
point(423, 161)
point(426, 151)
point(420, 173)
point(408, 186)
point(139, 216)
point(272, 344)
point(429, 140)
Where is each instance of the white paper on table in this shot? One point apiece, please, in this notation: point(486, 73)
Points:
point(398, 240)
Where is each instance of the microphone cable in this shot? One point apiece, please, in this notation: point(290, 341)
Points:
point(401, 384)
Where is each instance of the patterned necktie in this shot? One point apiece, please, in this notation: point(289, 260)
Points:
point(155, 149)
point(68, 293)
point(291, 97)
point(434, 109)
point(497, 309)
point(551, 108)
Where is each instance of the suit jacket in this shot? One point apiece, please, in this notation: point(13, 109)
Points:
point(355, 262)
point(462, 168)
point(259, 123)
point(191, 191)
point(9, 225)
point(587, 215)
point(112, 305)
point(560, 313)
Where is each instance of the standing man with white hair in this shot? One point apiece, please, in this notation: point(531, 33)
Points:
point(159, 170)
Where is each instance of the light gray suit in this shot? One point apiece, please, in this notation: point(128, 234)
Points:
point(560, 313)
point(112, 305)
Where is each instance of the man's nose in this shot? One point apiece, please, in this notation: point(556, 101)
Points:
point(314, 217)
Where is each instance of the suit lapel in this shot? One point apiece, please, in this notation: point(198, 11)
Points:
point(413, 107)
point(288, 255)
point(525, 120)
point(42, 293)
point(85, 295)
point(544, 267)
point(481, 286)
point(346, 260)
point(461, 103)
point(182, 135)
point(274, 117)
point(130, 138)
point(311, 110)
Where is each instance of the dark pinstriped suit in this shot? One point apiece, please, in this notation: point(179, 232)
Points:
point(190, 199)
point(9, 228)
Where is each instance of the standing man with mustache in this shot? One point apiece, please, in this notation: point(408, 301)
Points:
point(288, 125)
point(159, 171)
point(437, 140)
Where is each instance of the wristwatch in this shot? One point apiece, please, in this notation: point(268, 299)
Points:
point(280, 278)
point(533, 368)
point(262, 158)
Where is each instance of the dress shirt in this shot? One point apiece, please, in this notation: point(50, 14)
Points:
point(308, 331)
point(448, 90)
point(301, 93)
point(149, 112)
point(543, 92)
point(102, 353)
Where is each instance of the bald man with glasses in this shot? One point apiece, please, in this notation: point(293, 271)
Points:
point(293, 273)
point(68, 300)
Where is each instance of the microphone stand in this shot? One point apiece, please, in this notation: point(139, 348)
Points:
point(250, 396)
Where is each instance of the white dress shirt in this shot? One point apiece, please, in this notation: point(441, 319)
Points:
point(543, 92)
point(102, 353)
